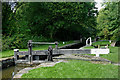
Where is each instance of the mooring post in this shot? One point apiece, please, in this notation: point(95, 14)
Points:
point(15, 54)
point(56, 45)
point(50, 52)
point(30, 57)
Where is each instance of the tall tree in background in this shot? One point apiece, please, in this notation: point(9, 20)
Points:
point(108, 21)
point(6, 18)
point(45, 19)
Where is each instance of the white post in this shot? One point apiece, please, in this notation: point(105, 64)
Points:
point(109, 41)
point(97, 55)
point(16, 50)
point(15, 54)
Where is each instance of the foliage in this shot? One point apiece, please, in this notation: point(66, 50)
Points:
point(108, 21)
point(44, 21)
point(7, 19)
point(49, 18)
point(9, 53)
point(15, 41)
point(74, 69)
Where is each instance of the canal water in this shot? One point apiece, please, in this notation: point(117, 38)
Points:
point(7, 72)
point(10, 71)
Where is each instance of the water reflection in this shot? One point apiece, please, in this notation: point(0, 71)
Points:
point(7, 72)
point(12, 70)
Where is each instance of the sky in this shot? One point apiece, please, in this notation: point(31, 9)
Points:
point(99, 4)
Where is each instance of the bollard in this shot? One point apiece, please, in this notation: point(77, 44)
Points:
point(15, 54)
point(50, 52)
point(30, 57)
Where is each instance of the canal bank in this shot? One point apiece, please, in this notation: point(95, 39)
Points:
point(8, 65)
point(7, 62)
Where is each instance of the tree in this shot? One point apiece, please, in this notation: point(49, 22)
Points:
point(43, 21)
point(48, 18)
point(108, 20)
point(6, 18)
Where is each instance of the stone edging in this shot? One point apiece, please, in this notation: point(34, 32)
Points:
point(26, 70)
point(6, 62)
point(9, 61)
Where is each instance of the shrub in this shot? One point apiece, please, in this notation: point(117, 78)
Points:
point(20, 41)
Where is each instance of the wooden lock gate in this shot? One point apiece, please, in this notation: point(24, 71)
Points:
point(30, 54)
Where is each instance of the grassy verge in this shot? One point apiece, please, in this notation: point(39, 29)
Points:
point(88, 47)
point(112, 56)
point(9, 53)
point(75, 69)
point(101, 43)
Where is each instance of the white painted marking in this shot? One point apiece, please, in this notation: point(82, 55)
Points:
point(99, 51)
point(97, 55)
point(16, 49)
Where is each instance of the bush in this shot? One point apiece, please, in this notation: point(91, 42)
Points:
point(20, 41)
point(6, 42)
point(11, 42)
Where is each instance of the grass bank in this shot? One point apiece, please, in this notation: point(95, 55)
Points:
point(75, 69)
point(112, 56)
point(101, 43)
point(10, 53)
